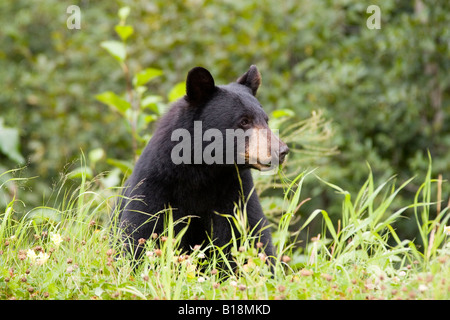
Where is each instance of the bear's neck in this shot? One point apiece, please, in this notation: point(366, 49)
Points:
point(200, 189)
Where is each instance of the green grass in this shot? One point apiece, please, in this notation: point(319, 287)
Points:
point(70, 252)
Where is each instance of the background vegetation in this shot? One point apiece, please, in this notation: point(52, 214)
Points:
point(355, 96)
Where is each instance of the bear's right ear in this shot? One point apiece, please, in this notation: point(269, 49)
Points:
point(251, 79)
point(199, 85)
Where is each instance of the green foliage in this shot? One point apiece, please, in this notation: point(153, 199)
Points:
point(9, 143)
point(134, 104)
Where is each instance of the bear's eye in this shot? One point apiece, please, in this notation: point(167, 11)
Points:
point(245, 122)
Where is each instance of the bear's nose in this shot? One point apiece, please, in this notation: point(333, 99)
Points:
point(284, 150)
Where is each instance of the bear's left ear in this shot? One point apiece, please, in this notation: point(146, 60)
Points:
point(199, 85)
point(251, 79)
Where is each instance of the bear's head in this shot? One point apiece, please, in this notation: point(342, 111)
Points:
point(229, 124)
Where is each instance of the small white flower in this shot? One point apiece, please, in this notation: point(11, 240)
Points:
point(402, 273)
point(233, 283)
point(39, 259)
point(447, 230)
point(369, 286)
point(56, 239)
point(201, 255)
point(42, 258)
point(31, 255)
point(149, 253)
point(423, 288)
point(145, 277)
point(201, 279)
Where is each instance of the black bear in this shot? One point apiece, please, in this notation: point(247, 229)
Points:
point(198, 163)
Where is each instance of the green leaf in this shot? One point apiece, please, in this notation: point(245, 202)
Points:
point(41, 214)
point(150, 118)
point(98, 291)
point(112, 179)
point(124, 166)
point(9, 143)
point(282, 113)
point(145, 76)
point(114, 101)
point(79, 172)
point(95, 155)
point(178, 91)
point(124, 31)
point(52, 289)
point(329, 224)
point(116, 49)
point(151, 102)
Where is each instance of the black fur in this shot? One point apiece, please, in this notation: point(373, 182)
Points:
point(198, 190)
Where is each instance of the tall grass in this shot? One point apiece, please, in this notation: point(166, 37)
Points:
point(73, 251)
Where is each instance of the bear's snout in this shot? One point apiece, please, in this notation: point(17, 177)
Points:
point(265, 151)
point(284, 150)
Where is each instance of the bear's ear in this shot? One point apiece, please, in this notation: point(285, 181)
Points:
point(199, 85)
point(251, 79)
